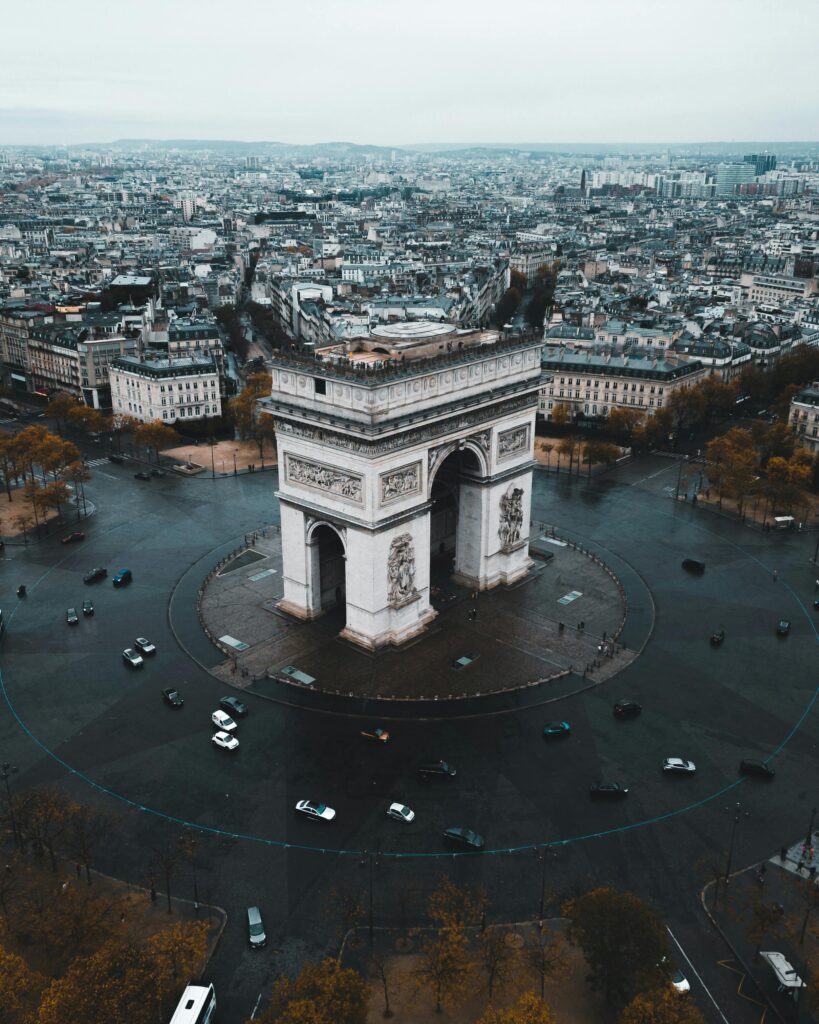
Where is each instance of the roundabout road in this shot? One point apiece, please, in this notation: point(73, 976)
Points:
point(75, 714)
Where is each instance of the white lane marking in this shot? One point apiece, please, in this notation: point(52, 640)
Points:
point(696, 974)
point(651, 476)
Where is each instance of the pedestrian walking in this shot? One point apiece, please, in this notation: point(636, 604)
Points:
point(475, 614)
point(775, 575)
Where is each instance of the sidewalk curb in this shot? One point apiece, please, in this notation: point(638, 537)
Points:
point(718, 929)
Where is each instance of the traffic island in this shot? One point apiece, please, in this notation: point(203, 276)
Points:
point(557, 631)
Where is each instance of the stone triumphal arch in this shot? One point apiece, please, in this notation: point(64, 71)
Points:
point(412, 445)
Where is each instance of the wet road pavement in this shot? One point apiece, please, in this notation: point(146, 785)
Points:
point(74, 714)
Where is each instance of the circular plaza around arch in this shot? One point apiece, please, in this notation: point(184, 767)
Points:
point(561, 628)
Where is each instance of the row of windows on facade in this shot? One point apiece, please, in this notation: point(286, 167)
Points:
point(195, 411)
point(633, 400)
point(190, 399)
point(595, 410)
point(596, 383)
point(179, 387)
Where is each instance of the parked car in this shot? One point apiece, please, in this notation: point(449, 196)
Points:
point(627, 709)
point(144, 645)
point(679, 766)
point(234, 705)
point(223, 721)
point(122, 577)
point(131, 658)
point(94, 575)
point(72, 538)
point(464, 837)
point(755, 766)
point(173, 698)
point(71, 616)
point(88, 606)
point(435, 770)
point(142, 475)
point(400, 812)
point(375, 733)
point(552, 729)
point(608, 790)
point(314, 811)
point(783, 627)
point(224, 741)
point(255, 928)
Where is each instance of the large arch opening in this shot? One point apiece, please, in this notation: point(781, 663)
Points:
point(329, 572)
point(446, 521)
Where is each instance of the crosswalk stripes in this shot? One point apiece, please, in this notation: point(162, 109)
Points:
point(98, 462)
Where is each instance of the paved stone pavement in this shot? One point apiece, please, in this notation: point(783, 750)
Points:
point(520, 635)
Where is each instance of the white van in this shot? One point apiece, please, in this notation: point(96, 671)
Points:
point(255, 928)
point(783, 522)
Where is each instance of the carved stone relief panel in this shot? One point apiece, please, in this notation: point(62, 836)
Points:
point(401, 571)
point(325, 478)
point(400, 483)
point(511, 518)
point(513, 442)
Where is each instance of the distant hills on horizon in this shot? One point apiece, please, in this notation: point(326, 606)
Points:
point(454, 149)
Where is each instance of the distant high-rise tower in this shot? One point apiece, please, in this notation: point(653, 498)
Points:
point(583, 182)
point(763, 162)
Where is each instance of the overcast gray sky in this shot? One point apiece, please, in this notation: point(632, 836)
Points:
point(386, 72)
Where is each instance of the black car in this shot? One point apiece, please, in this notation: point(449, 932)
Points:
point(116, 457)
point(71, 617)
point(464, 837)
point(157, 472)
point(94, 575)
point(694, 565)
point(435, 770)
point(234, 706)
point(141, 475)
point(173, 698)
point(783, 627)
point(122, 577)
point(608, 791)
point(72, 538)
point(753, 766)
point(88, 606)
point(627, 709)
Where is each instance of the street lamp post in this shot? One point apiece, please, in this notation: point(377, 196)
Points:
point(188, 844)
point(372, 859)
point(809, 838)
point(679, 476)
point(212, 463)
point(5, 771)
point(234, 463)
point(738, 815)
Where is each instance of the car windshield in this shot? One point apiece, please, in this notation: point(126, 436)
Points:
point(320, 809)
point(256, 929)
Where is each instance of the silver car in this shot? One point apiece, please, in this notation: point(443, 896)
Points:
point(255, 928)
point(314, 811)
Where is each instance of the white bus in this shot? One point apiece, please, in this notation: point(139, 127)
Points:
point(196, 1006)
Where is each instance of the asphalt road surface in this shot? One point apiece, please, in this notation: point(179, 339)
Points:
point(72, 713)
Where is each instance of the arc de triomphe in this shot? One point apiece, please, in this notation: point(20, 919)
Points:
point(409, 448)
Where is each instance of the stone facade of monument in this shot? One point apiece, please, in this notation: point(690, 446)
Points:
point(358, 452)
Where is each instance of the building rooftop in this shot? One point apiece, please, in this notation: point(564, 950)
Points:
point(620, 366)
point(165, 367)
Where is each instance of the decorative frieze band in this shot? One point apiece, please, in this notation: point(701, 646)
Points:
point(407, 438)
point(324, 478)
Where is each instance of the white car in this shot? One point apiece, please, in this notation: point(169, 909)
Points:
point(130, 657)
point(224, 741)
point(401, 813)
point(679, 765)
point(223, 721)
point(144, 645)
point(679, 982)
point(317, 812)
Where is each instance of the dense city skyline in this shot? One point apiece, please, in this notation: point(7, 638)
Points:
point(452, 73)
